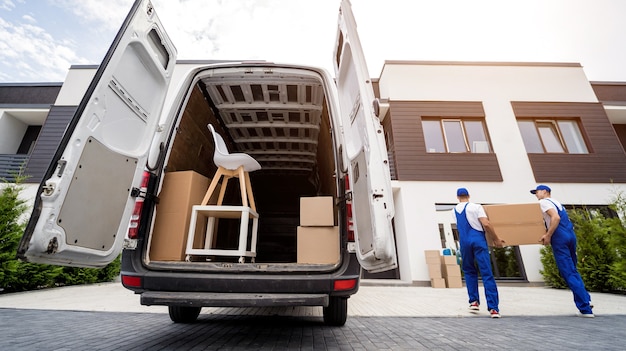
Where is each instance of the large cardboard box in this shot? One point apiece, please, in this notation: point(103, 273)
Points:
point(317, 211)
point(180, 191)
point(318, 245)
point(517, 224)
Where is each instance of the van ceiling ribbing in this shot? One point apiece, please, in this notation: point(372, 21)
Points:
point(272, 116)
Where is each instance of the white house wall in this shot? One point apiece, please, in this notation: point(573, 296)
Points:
point(11, 132)
point(495, 86)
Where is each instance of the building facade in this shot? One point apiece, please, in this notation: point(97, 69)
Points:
point(498, 129)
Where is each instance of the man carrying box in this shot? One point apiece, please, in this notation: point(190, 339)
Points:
point(472, 223)
point(560, 234)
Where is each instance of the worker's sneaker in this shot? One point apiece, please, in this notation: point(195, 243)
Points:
point(474, 306)
point(494, 313)
point(585, 315)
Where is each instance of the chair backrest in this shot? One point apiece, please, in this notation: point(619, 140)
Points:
point(220, 145)
point(223, 158)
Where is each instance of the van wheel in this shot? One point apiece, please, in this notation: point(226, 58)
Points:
point(337, 311)
point(181, 314)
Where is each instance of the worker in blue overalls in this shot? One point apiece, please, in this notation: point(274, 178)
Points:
point(472, 223)
point(560, 234)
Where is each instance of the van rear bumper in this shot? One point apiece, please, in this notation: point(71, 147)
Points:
point(199, 299)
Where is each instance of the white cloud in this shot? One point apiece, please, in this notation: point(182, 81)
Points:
point(32, 54)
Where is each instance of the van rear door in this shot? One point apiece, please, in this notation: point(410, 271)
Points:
point(83, 205)
point(365, 149)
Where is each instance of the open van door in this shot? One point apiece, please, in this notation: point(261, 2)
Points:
point(365, 149)
point(83, 206)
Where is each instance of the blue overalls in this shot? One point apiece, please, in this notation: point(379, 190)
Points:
point(474, 250)
point(563, 243)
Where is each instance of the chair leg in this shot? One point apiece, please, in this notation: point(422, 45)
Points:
point(220, 198)
point(249, 189)
point(214, 182)
point(242, 186)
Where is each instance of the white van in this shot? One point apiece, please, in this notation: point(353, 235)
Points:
point(138, 154)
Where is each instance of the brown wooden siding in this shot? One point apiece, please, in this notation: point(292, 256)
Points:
point(606, 160)
point(610, 91)
point(412, 162)
point(620, 129)
point(48, 142)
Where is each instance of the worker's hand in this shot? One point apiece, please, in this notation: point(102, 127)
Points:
point(499, 243)
point(545, 239)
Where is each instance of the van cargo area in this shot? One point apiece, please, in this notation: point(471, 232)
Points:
point(280, 117)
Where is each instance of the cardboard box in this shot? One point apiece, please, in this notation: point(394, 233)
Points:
point(450, 270)
point(434, 271)
point(180, 191)
point(432, 256)
point(454, 282)
point(517, 224)
point(318, 245)
point(317, 211)
point(438, 283)
point(446, 259)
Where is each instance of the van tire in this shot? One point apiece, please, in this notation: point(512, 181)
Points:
point(336, 313)
point(183, 314)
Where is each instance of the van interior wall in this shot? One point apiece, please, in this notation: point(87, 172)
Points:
point(277, 193)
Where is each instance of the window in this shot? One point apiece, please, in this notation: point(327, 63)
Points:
point(552, 136)
point(455, 135)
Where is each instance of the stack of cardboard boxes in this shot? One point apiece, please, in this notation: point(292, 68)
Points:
point(451, 271)
point(444, 272)
point(434, 269)
point(318, 237)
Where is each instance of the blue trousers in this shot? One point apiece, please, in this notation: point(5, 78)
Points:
point(474, 251)
point(564, 250)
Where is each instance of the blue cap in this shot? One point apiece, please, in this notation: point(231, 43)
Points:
point(462, 192)
point(541, 187)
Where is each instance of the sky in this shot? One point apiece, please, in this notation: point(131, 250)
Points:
point(41, 39)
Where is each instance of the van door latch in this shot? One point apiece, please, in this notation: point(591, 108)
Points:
point(136, 192)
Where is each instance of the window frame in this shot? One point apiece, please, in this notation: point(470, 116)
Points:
point(466, 140)
point(554, 123)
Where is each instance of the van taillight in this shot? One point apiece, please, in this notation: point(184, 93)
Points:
point(131, 281)
point(133, 226)
point(349, 222)
point(347, 284)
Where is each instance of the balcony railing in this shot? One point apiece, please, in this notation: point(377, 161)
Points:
point(11, 165)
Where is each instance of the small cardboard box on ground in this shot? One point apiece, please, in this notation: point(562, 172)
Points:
point(318, 245)
point(437, 283)
point(517, 224)
point(451, 272)
point(180, 191)
point(317, 211)
point(454, 282)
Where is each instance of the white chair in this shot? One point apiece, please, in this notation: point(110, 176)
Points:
point(236, 165)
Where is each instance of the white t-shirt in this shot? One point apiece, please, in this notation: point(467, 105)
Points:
point(546, 205)
point(472, 212)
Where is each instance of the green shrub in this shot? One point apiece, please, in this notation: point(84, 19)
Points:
point(601, 250)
